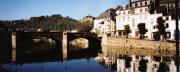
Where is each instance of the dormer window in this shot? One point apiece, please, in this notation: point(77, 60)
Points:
point(136, 5)
point(141, 3)
point(145, 3)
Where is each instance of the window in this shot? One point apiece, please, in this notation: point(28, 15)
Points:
point(154, 27)
point(155, 65)
point(119, 13)
point(140, 3)
point(124, 13)
point(146, 9)
point(167, 25)
point(141, 10)
point(136, 5)
point(151, 22)
point(167, 18)
point(145, 3)
point(129, 12)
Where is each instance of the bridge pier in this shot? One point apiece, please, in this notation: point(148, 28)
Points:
point(13, 41)
point(64, 45)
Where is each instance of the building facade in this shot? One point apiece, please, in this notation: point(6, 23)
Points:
point(141, 12)
point(87, 18)
point(134, 63)
point(105, 22)
point(132, 16)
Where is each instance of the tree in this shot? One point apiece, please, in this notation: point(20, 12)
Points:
point(54, 22)
point(85, 26)
point(162, 67)
point(142, 30)
point(127, 30)
point(143, 65)
point(161, 27)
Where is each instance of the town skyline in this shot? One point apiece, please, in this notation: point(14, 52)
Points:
point(19, 9)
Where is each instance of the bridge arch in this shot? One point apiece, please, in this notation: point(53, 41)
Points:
point(93, 41)
point(30, 44)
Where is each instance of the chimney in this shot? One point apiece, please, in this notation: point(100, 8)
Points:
point(130, 6)
point(130, 3)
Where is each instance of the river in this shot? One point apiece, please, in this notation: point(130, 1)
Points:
point(45, 57)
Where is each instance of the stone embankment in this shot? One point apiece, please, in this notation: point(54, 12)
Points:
point(139, 44)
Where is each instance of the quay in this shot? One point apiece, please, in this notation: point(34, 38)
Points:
point(140, 44)
point(137, 46)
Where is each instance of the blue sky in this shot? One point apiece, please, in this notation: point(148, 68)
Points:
point(24, 9)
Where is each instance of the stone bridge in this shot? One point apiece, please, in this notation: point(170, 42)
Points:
point(93, 40)
point(28, 43)
point(25, 39)
point(94, 45)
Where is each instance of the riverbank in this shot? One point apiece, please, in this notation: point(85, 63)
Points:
point(140, 44)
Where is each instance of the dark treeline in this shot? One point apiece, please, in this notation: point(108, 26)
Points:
point(55, 23)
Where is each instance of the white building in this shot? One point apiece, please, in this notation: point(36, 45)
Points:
point(105, 26)
point(152, 65)
point(171, 27)
point(139, 13)
point(132, 16)
point(105, 22)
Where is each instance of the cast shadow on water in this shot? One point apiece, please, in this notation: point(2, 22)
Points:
point(109, 63)
point(40, 56)
point(37, 48)
point(33, 51)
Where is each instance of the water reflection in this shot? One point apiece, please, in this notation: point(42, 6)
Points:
point(136, 63)
point(42, 56)
point(93, 61)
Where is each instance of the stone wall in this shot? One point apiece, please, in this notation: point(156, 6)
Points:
point(137, 43)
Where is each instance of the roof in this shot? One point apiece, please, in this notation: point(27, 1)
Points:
point(107, 14)
point(119, 8)
point(128, 5)
point(166, 1)
point(139, 1)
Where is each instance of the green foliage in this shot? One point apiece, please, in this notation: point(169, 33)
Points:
point(85, 26)
point(54, 22)
point(161, 27)
point(142, 30)
point(127, 30)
